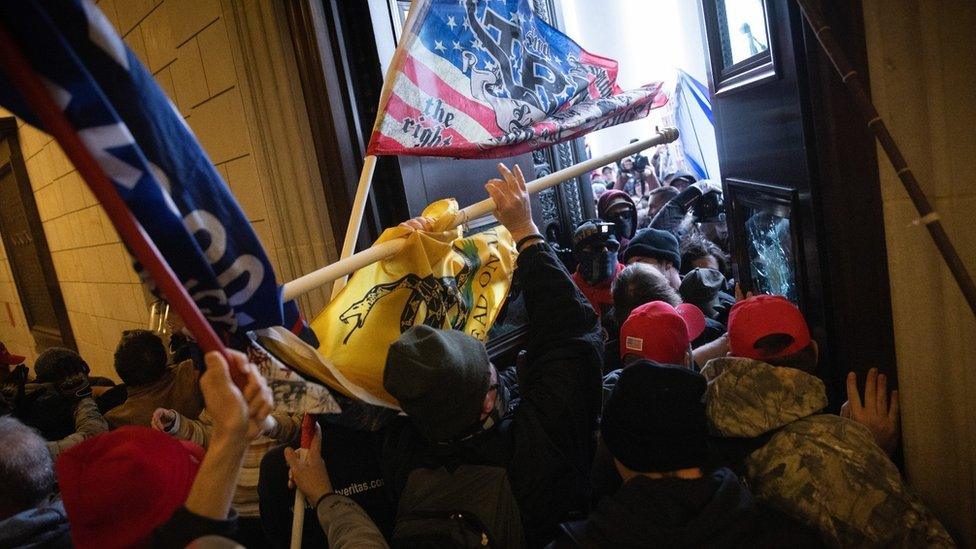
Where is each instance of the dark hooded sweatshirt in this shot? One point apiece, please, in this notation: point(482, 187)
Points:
point(712, 511)
point(547, 441)
point(611, 198)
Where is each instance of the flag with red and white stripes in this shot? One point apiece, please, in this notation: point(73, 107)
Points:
point(488, 78)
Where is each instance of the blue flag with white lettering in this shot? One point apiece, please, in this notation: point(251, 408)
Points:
point(151, 156)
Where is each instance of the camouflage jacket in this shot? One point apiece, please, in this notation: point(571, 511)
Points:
point(823, 470)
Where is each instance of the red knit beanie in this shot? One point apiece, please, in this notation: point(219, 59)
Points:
point(120, 486)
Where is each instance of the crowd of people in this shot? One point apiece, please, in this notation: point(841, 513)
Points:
point(653, 405)
point(649, 182)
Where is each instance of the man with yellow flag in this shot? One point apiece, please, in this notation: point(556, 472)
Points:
point(489, 455)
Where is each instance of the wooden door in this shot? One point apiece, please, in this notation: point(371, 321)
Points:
point(800, 176)
point(27, 250)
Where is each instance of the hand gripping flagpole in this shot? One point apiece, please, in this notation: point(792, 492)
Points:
point(298, 511)
point(33, 90)
point(353, 263)
point(927, 215)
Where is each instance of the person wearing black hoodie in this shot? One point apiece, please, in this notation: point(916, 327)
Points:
point(617, 207)
point(535, 423)
point(655, 429)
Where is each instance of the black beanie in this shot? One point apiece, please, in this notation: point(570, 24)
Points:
point(56, 362)
point(653, 243)
point(654, 420)
point(440, 378)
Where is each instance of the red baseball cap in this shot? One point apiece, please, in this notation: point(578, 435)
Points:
point(9, 359)
point(660, 332)
point(763, 315)
point(120, 486)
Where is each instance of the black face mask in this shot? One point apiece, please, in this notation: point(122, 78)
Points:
point(596, 267)
point(623, 225)
point(503, 400)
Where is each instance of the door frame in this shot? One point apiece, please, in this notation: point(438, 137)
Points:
point(846, 299)
point(43, 337)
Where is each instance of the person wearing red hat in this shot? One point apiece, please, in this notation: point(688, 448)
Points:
point(661, 333)
point(771, 329)
point(765, 404)
point(8, 359)
point(135, 486)
point(13, 377)
point(641, 283)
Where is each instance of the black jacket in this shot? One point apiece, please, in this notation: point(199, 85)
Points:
point(547, 439)
point(712, 511)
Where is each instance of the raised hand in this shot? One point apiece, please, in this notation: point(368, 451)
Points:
point(235, 413)
point(877, 412)
point(512, 206)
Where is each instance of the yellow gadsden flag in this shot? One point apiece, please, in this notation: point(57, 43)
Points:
point(440, 278)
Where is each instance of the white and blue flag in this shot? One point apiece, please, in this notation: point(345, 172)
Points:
point(151, 156)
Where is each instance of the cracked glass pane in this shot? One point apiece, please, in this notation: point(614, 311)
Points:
point(771, 254)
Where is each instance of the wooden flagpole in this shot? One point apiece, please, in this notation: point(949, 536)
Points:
point(927, 215)
point(389, 248)
point(33, 90)
point(417, 9)
point(356, 217)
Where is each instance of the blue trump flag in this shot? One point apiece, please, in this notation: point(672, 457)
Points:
point(154, 161)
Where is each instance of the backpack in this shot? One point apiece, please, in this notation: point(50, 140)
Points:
point(469, 506)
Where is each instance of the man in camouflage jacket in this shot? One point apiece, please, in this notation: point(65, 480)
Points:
point(822, 469)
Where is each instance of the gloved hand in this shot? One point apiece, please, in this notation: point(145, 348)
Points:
point(74, 386)
point(12, 389)
point(687, 197)
point(694, 192)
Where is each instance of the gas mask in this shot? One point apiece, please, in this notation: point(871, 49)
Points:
point(595, 248)
point(624, 225)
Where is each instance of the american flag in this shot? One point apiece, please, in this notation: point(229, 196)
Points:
point(151, 156)
point(488, 78)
